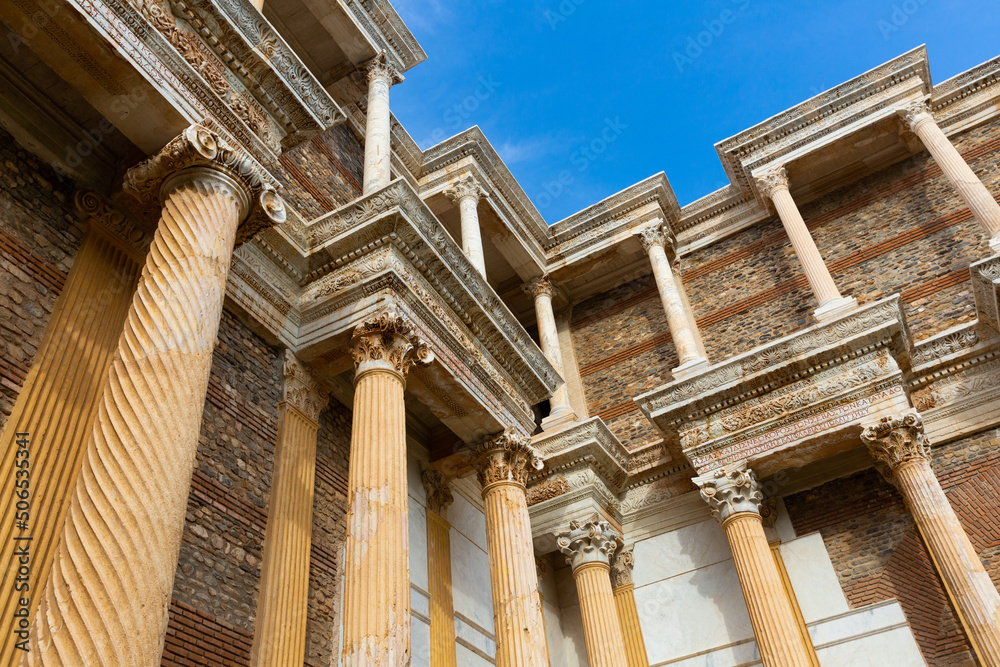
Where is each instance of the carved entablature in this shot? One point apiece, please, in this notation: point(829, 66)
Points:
point(783, 404)
point(590, 443)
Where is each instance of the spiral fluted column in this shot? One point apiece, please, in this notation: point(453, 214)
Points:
point(918, 117)
point(378, 132)
point(58, 402)
point(502, 464)
point(628, 613)
point(542, 290)
point(735, 498)
point(279, 638)
point(774, 185)
point(442, 609)
point(588, 548)
point(466, 193)
point(377, 565)
point(902, 454)
point(106, 598)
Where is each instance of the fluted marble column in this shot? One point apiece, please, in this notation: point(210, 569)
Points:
point(442, 606)
point(561, 412)
point(378, 131)
point(59, 400)
point(377, 568)
point(502, 464)
point(282, 607)
point(918, 117)
point(588, 548)
point(735, 498)
point(902, 453)
point(628, 613)
point(466, 193)
point(774, 185)
point(105, 601)
point(680, 320)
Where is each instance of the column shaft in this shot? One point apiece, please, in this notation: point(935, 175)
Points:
point(280, 632)
point(679, 320)
point(439, 581)
point(472, 237)
point(378, 125)
point(771, 614)
point(561, 411)
point(963, 574)
point(628, 618)
point(517, 613)
point(813, 265)
point(601, 627)
point(57, 406)
point(970, 188)
point(377, 569)
point(106, 599)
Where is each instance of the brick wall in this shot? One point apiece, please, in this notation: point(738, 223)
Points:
point(323, 174)
point(39, 239)
point(903, 230)
point(877, 551)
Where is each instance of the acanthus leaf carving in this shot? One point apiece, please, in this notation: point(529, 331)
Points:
point(896, 440)
point(730, 491)
point(301, 391)
point(388, 339)
point(505, 457)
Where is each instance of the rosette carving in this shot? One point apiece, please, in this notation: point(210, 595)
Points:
point(389, 339)
point(300, 390)
point(731, 491)
point(379, 67)
point(773, 179)
point(438, 491)
point(199, 147)
point(621, 567)
point(589, 542)
point(896, 440)
point(507, 457)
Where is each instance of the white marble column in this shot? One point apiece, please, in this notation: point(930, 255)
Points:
point(561, 412)
point(378, 134)
point(466, 193)
point(680, 320)
point(774, 184)
point(919, 118)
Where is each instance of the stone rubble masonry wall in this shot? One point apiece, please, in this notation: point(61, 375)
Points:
point(877, 551)
point(323, 174)
point(39, 239)
point(904, 230)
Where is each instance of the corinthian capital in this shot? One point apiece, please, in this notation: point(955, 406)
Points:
point(541, 286)
point(465, 187)
point(506, 457)
point(729, 491)
point(621, 567)
point(200, 154)
point(896, 440)
point(590, 542)
point(300, 390)
point(387, 340)
point(655, 235)
point(379, 67)
point(438, 491)
point(775, 178)
point(914, 113)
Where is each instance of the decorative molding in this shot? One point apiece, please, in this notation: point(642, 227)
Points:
point(589, 542)
point(388, 340)
point(896, 440)
point(300, 390)
point(730, 491)
point(506, 457)
point(97, 211)
point(438, 491)
point(621, 567)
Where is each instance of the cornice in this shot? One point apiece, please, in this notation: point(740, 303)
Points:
point(387, 30)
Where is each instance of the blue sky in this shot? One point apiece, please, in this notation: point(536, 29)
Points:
point(582, 98)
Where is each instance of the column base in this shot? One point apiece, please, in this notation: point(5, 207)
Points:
point(690, 368)
point(835, 309)
point(559, 419)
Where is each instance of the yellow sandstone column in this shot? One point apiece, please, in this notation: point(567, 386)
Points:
point(377, 564)
point(58, 402)
point(439, 569)
point(588, 548)
point(628, 613)
point(735, 499)
point(280, 633)
point(902, 454)
point(502, 463)
point(105, 601)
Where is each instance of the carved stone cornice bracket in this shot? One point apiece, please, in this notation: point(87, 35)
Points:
point(504, 458)
point(588, 542)
point(438, 491)
point(730, 491)
point(98, 212)
point(467, 186)
point(300, 390)
point(621, 567)
point(388, 340)
point(199, 147)
point(592, 444)
point(893, 441)
point(379, 67)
